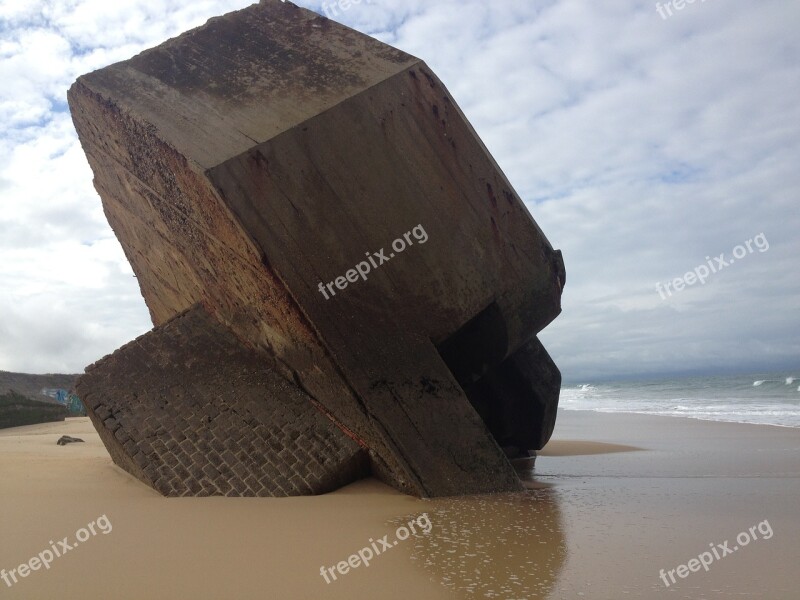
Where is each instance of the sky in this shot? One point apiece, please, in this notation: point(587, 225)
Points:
point(647, 142)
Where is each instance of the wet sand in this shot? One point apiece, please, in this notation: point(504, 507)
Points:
point(614, 499)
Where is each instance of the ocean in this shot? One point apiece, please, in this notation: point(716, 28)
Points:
point(763, 398)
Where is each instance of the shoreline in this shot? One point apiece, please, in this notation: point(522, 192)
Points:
point(644, 414)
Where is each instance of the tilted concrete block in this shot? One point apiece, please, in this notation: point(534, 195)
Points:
point(320, 197)
point(208, 416)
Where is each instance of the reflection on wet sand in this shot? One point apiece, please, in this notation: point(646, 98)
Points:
point(502, 546)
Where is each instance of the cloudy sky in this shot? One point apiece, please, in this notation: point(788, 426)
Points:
point(642, 142)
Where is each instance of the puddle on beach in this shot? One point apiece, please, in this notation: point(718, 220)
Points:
point(508, 546)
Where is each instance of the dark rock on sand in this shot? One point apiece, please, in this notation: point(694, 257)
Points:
point(66, 439)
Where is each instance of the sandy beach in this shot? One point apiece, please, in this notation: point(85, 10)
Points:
point(614, 500)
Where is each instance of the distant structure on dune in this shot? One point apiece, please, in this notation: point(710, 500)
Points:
point(17, 410)
point(27, 399)
point(341, 279)
point(67, 399)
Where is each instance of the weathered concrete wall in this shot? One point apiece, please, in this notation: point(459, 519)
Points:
point(17, 410)
point(191, 412)
point(246, 187)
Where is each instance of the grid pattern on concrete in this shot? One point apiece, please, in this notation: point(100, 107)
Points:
point(191, 412)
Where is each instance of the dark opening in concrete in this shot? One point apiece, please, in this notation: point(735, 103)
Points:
point(472, 353)
point(480, 344)
point(515, 393)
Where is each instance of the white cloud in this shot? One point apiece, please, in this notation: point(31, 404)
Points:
point(642, 146)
